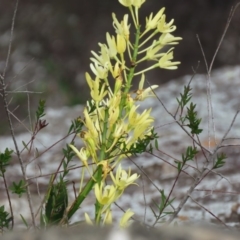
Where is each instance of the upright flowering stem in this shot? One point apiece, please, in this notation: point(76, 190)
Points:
point(102, 157)
point(85, 191)
point(132, 69)
point(113, 125)
point(133, 61)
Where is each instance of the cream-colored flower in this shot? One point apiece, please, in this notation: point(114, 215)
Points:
point(126, 3)
point(124, 222)
point(123, 27)
point(165, 61)
point(123, 179)
point(106, 168)
point(83, 154)
point(88, 219)
point(103, 59)
point(105, 195)
point(121, 44)
point(108, 217)
point(90, 125)
point(152, 52)
point(168, 39)
point(141, 131)
point(112, 46)
point(142, 93)
point(137, 3)
point(129, 3)
point(135, 119)
point(164, 27)
point(96, 92)
point(100, 72)
point(152, 22)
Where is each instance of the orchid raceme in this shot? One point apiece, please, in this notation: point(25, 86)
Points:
point(114, 126)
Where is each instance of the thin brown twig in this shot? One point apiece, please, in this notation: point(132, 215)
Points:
point(217, 191)
point(145, 202)
point(9, 117)
point(211, 213)
point(209, 97)
point(8, 197)
point(213, 154)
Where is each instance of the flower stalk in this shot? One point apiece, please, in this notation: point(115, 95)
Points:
point(114, 127)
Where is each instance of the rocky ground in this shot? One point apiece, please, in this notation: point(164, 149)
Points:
point(215, 198)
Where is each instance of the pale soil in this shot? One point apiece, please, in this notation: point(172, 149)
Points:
point(219, 192)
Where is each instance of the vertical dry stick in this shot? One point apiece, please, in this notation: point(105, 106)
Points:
point(209, 68)
point(9, 117)
point(214, 153)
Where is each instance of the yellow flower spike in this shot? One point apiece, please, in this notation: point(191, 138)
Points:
point(152, 22)
point(123, 179)
point(164, 27)
point(106, 195)
point(142, 93)
point(121, 44)
point(123, 27)
point(88, 219)
point(124, 222)
point(165, 61)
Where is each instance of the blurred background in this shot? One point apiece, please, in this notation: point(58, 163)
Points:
point(53, 39)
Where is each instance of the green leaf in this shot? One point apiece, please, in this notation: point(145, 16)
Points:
point(194, 122)
point(41, 108)
point(18, 188)
point(220, 161)
point(4, 219)
point(24, 220)
point(185, 97)
point(57, 203)
point(4, 160)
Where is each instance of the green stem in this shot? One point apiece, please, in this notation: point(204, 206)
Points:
point(87, 188)
point(102, 157)
point(131, 72)
point(133, 60)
